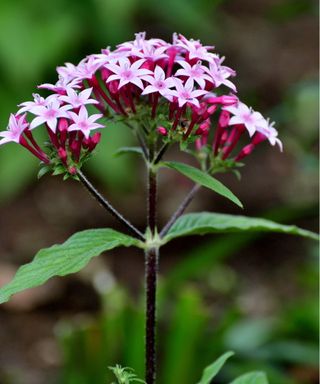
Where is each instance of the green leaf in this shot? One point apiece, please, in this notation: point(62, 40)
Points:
point(207, 222)
point(251, 378)
point(125, 150)
point(212, 370)
point(66, 258)
point(203, 179)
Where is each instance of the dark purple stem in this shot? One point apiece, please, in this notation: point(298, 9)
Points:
point(187, 200)
point(105, 203)
point(151, 270)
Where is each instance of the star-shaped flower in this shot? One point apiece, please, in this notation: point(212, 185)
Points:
point(267, 129)
point(38, 101)
point(49, 114)
point(61, 85)
point(185, 93)
point(219, 75)
point(195, 72)
point(242, 114)
point(83, 122)
point(159, 83)
point(17, 125)
point(78, 99)
point(195, 49)
point(128, 73)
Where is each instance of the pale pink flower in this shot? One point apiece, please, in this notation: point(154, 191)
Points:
point(137, 43)
point(128, 73)
point(149, 52)
point(158, 83)
point(267, 129)
point(220, 74)
point(17, 125)
point(185, 93)
point(78, 99)
point(242, 114)
point(38, 102)
point(195, 72)
point(49, 114)
point(67, 72)
point(61, 85)
point(84, 123)
point(87, 68)
point(195, 49)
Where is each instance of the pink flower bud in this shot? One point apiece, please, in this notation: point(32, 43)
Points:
point(62, 153)
point(245, 151)
point(224, 119)
point(225, 100)
point(162, 131)
point(63, 125)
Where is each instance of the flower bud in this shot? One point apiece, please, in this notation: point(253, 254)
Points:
point(162, 131)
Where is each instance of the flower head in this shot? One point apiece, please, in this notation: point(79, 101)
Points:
point(78, 99)
point(49, 114)
point(242, 114)
point(17, 125)
point(185, 93)
point(83, 122)
point(128, 73)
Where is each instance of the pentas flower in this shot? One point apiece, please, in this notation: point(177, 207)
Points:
point(185, 93)
point(174, 91)
point(83, 122)
point(195, 72)
point(128, 73)
point(17, 125)
point(78, 99)
point(49, 114)
point(219, 75)
point(158, 83)
point(38, 101)
point(195, 50)
point(242, 114)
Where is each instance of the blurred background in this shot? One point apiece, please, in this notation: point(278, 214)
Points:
point(254, 294)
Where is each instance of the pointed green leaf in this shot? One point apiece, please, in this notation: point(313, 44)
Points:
point(251, 378)
point(126, 150)
point(203, 179)
point(207, 222)
point(66, 258)
point(212, 370)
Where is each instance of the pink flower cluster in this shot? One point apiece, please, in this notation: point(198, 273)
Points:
point(184, 81)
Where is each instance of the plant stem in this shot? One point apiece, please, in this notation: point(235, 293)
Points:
point(151, 270)
point(187, 200)
point(105, 203)
point(152, 200)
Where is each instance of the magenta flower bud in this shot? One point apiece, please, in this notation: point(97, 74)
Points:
point(63, 125)
point(162, 131)
point(76, 148)
point(224, 119)
point(245, 151)
point(198, 144)
point(105, 73)
point(225, 100)
point(113, 86)
point(72, 170)
point(62, 153)
point(212, 109)
point(94, 141)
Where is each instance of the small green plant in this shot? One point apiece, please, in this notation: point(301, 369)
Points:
point(125, 375)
